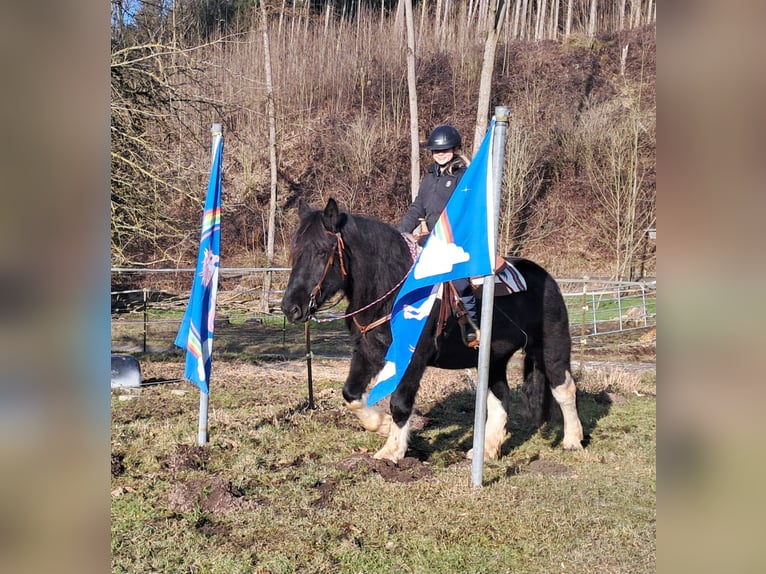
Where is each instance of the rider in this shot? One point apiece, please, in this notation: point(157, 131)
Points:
point(434, 192)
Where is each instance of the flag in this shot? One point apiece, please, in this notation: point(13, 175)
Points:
point(461, 244)
point(196, 332)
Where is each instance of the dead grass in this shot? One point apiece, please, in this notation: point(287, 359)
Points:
point(281, 488)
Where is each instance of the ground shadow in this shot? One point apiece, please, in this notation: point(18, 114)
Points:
point(448, 431)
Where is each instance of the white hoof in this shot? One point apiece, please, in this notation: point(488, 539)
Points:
point(373, 419)
point(396, 444)
point(488, 454)
point(386, 454)
point(571, 445)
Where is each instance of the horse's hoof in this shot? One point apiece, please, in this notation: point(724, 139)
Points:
point(487, 455)
point(384, 454)
point(572, 446)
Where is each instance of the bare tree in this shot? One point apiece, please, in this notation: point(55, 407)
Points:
point(592, 18)
point(521, 184)
point(272, 155)
point(413, 98)
point(568, 26)
point(612, 158)
point(150, 198)
point(495, 19)
point(524, 7)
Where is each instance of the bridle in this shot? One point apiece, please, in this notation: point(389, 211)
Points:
point(338, 247)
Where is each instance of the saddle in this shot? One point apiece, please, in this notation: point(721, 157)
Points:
point(507, 279)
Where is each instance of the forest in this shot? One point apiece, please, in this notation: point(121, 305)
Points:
point(316, 101)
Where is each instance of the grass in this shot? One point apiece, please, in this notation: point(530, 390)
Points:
point(274, 491)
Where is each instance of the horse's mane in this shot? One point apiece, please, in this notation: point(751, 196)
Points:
point(311, 231)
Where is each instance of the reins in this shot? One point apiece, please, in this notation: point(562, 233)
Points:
point(318, 287)
point(315, 291)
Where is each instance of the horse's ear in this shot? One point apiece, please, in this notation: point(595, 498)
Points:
point(332, 218)
point(303, 208)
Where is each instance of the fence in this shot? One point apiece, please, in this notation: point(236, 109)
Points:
point(147, 308)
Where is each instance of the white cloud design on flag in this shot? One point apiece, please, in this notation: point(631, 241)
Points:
point(420, 312)
point(388, 371)
point(439, 257)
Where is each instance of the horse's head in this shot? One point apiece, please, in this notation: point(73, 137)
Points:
point(318, 265)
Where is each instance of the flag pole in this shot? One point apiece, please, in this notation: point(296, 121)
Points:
point(204, 397)
point(487, 304)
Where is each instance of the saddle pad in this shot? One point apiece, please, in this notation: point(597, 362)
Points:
point(507, 278)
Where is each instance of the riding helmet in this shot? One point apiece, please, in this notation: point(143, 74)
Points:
point(443, 137)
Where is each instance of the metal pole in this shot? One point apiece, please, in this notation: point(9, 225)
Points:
point(487, 304)
point(146, 318)
point(202, 434)
point(583, 340)
point(308, 367)
point(202, 431)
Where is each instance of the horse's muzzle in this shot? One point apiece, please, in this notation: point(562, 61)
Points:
point(294, 313)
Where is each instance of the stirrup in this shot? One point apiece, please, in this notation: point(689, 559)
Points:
point(472, 336)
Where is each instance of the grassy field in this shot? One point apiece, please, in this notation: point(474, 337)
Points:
point(281, 488)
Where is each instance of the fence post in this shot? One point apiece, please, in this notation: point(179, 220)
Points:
point(584, 309)
point(146, 318)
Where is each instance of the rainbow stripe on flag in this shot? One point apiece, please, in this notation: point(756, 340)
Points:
point(196, 331)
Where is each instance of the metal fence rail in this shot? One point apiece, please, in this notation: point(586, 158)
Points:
point(147, 307)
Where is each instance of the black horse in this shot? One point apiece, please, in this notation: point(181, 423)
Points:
point(367, 259)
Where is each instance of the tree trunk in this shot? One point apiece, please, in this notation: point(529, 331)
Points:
point(592, 18)
point(272, 157)
point(540, 26)
point(412, 89)
point(621, 17)
point(568, 26)
point(524, 6)
point(496, 19)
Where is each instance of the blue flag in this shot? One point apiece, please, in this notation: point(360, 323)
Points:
point(461, 244)
point(196, 332)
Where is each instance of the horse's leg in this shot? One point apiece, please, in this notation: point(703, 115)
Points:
point(402, 403)
point(565, 392)
point(498, 400)
point(373, 419)
point(533, 388)
point(565, 395)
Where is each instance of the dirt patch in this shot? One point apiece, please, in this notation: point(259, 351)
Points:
point(409, 468)
point(212, 495)
point(118, 467)
point(210, 528)
point(186, 457)
point(326, 489)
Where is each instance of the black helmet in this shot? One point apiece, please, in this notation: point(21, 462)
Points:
point(443, 137)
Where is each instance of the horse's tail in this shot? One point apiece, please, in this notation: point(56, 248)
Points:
point(547, 364)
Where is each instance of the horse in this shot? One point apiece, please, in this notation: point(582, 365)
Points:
point(367, 259)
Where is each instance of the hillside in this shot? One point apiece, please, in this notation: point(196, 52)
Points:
point(580, 170)
point(551, 86)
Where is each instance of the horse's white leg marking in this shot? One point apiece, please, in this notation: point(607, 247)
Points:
point(494, 430)
point(373, 419)
point(565, 397)
point(396, 445)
